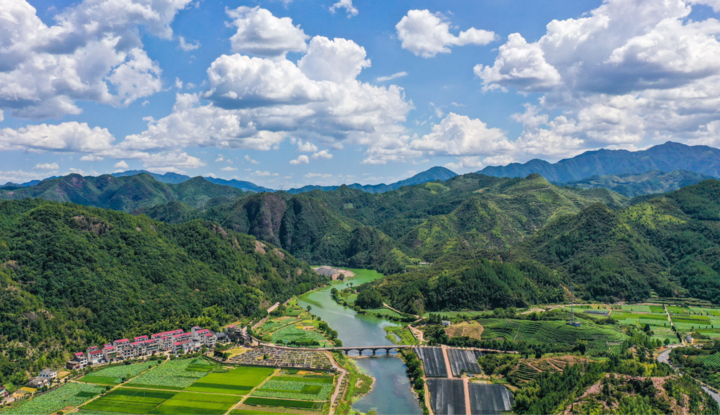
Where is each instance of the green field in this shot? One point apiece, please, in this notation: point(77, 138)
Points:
point(100, 380)
point(113, 375)
point(400, 335)
point(306, 379)
point(286, 403)
point(550, 332)
point(712, 360)
point(638, 308)
point(289, 334)
point(128, 401)
point(309, 391)
point(172, 375)
point(246, 412)
point(196, 403)
point(71, 394)
point(657, 309)
point(239, 381)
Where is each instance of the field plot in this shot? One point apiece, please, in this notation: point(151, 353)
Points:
point(296, 334)
point(72, 394)
point(464, 361)
point(433, 361)
point(447, 396)
point(712, 360)
point(639, 309)
point(172, 375)
point(489, 399)
point(285, 403)
point(239, 381)
point(128, 401)
point(113, 375)
point(295, 388)
point(470, 329)
point(196, 403)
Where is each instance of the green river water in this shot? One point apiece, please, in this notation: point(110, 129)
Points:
point(391, 393)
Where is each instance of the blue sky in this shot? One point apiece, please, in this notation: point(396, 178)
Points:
point(287, 93)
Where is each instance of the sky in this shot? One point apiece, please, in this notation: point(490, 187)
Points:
point(285, 93)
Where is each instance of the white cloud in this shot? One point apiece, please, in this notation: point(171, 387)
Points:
point(92, 157)
point(188, 46)
point(178, 83)
point(250, 160)
point(93, 53)
point(121, 165)
point(220, 158)
point(319, 176)
point(19, 176)
point(303, 159)
point(69, 136)
point(264, 173)
point(262, 34)
point(229, 169)
point(347, 5)
point(306, 146)
point(458, 135)
point(47, 166)
point(426, 34)
point(322, 155)
point(624, 75)
point(339, 60)
point(391, 77)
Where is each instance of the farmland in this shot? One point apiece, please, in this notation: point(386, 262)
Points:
point(239, 381)
point(128, 401)
point(72, 394)
point(298, 388)
point(447, 396)
point(114, 375)
point(433, 361)
point(285, 403)
point(197, 403)
point(172, 375)
point(293, 325)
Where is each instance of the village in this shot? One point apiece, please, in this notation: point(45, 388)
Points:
point(170, 343)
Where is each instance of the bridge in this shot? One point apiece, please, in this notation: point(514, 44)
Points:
point(361, 349)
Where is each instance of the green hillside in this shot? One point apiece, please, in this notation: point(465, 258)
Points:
point(632, 185)
point(121, 193)
point(72, 275)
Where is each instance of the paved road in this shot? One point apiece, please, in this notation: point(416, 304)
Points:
point(664, 357)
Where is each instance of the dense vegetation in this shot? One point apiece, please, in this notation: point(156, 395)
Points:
point(702, 363)
point(653, 182)
point(71, 276)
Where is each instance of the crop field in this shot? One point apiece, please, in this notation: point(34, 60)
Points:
point(677, 310)
point(550, 331)
point(400, 335)
point(712, 360)
point(293, 333)
point(113, 375)
point(197, 403)
point(71, 394)
point(128, 401)
point(286, 403)
point(309, 391)
point(239, 381)
point(464, 361)
point(101, 380)
point(172, 375)
point(639, 308)
point(489, 399)
point(433, 361)
point(447, 396)
point(470, 329)
point(306, 379)
point(657, 309)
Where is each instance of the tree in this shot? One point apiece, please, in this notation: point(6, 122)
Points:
point(309, 308)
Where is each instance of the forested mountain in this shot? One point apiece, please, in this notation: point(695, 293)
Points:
point(666, 157)
point(126, 193)
point(72, 275)
point(388, 231)
point(632, 185)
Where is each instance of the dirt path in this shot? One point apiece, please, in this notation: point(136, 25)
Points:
point(398, 311)
point(428, 403)
point(671, 323)
point(273, 308)
point(447, 362)
point(417, 333)
point(335, 395)
point(466, 386)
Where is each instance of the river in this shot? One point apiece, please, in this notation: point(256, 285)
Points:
point(391, 393)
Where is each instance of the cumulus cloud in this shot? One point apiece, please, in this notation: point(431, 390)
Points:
point(229, 169)
point(319, 176)
point(47, 166)
point(624, 75)
point(426, 34)
point(322, 155)
point(306, 146)
point(301, 160)
point(264, 173)
point(121, 165)
point(347, 5)
point(65, 137)
point(188, 46)
point(93, 52)
point(459, 135)
point(250, 160)
point(261, 34)
point(19, 176)
point(92, 157)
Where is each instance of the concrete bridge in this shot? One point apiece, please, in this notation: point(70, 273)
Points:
point(360, 349)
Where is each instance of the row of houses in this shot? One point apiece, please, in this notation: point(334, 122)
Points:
point(174, 341)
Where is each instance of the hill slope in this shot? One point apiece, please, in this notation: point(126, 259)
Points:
point(126, 193)
point(72, 275)
point(666, 157)
point(632, 185)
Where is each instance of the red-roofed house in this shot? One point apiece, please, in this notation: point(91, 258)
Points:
point(182, 347)
point(110, 353)
point(95, 356)
point(141, 338)
point(80, 359)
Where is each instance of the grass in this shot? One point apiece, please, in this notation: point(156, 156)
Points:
point(100, 380)
point(128, 401)
point(305, 379)
point(280, 402)
point(400, 335)
point(289, 334)
point(197, 403)
point(173, 375)
point(385, 312)
point(657, 309)
point(71, 394)
point(239, 381)
point(246, 412)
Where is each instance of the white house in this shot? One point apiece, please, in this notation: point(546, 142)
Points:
point(48, 374)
